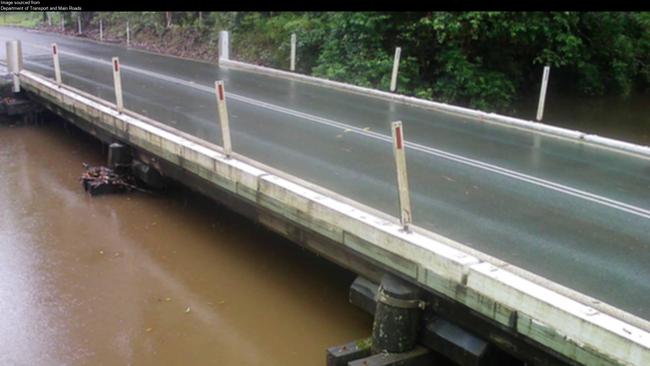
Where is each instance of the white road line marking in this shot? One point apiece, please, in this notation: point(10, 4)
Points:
point(638, 211)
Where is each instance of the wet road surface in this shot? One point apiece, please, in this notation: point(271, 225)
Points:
point(576, 214)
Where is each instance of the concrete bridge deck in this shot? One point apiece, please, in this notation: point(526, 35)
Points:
point(574, 213)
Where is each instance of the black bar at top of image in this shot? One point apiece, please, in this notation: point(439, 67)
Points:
point(302, 5)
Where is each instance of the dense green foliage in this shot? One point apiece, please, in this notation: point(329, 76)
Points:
point(479, 59)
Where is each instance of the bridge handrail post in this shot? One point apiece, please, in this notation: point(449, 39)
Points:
point(57, 65)
point(222, 111)
point(393, 79)
point(14, 62)
point(542, 93)
point(293, 52)
point(117, 79)
point(101, 29)
point(402, 178)
point(224, 45)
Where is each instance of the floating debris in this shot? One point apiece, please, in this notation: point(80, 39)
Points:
point(100, 179)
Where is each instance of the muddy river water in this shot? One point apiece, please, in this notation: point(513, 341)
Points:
point(149, 279)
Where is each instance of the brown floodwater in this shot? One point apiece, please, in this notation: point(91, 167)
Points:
point(143, 279)
point(617, 117)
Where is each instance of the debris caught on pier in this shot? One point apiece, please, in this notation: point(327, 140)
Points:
point(100, 180)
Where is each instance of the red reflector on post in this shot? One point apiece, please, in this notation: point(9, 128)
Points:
point(221, 92)
point(54, 50)
point(398, 131)
point(116, 65)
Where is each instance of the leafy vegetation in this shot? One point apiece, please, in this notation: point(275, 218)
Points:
point(484, 60)
point(21, 19)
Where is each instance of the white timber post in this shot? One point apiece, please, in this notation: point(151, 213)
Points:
point(119, 102)
point(402, 177)
point(224, 45)
point(14, 62)
point(128, 34)
point(57, 66)
point(79, 22)
point(542, 93)
point(62, 23)
point(223, 117)
point(293, 52)
point(49, 19)
point(393, 79)
point(101, 30)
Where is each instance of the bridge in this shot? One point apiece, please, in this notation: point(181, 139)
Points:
point(540, 234)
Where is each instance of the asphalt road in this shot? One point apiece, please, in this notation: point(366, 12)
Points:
point(576, 214)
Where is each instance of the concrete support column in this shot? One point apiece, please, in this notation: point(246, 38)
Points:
point(224, 45)
point(397, 315)
point(119, 156)
point(14, 62)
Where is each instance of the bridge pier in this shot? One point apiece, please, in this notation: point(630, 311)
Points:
point(397, 315)
point(119, 156)
point(436, 338)
point(397, 307)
